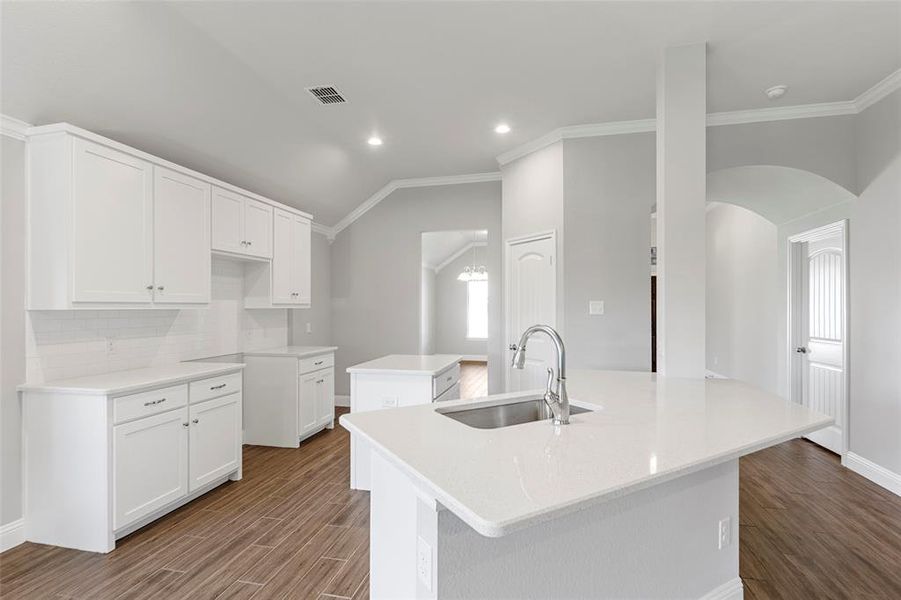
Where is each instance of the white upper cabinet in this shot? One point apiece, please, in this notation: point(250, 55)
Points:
point(291, 259)
point(181, 249)
point(241, 225)
point(112, 225)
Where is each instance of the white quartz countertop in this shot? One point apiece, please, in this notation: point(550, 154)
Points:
point(123, 382)
point(408, 364)
point(643, 430)
point(296, 351)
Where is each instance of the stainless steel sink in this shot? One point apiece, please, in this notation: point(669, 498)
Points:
point(505, 415)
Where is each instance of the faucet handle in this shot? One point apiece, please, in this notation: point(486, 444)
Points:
point(550, 379)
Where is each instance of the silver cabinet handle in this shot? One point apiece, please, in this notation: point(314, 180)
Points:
point(250, 243)
point(185, 424)
point(149, 288)
point(243, 243)
point(449, 378)
point(218, 387)
point(153, 402)
point(160, 288)
point(320, 381)
point(801, 350)
point(195, 421)
point(318, 362)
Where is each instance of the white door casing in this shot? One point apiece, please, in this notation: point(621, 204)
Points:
point(530, 300)
point(818, 352)
point(181, 248)
point(112, 226)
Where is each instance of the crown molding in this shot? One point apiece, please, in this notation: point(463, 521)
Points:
point(397, 184)
point(878, 91)
point(328, 232)
point(14, 128)
point(735, 117)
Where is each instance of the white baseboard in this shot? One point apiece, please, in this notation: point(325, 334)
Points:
point(731, 590)
point(12, 534)
point(875, 473)
point(342, 400)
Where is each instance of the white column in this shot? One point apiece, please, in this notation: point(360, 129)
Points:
point(681, 218)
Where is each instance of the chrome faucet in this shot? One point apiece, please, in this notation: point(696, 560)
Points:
point(556, 399)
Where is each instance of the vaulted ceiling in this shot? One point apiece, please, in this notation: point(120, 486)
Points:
point(220, 86)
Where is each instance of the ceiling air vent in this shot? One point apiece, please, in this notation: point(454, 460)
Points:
point(327, 94)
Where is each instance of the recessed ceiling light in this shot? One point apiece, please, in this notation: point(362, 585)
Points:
point(374, 141)
point(502, 128)
point(775, 92)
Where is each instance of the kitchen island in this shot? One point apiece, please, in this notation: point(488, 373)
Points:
point(635, 498)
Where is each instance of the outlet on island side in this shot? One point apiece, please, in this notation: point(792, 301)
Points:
point(725, 533)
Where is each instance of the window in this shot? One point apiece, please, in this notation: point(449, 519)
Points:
point(477, 310)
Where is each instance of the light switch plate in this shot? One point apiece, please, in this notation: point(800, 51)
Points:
point(389, 401)
point(595, 307)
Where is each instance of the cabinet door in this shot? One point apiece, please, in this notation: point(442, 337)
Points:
point(181, 234)
point(257, 228)
point(282, 258)
point(150, 465)
point(112, 226)
point(308, 397)
point(228, 221)
point(300, 269)
point(215, 439)
point(326, 396)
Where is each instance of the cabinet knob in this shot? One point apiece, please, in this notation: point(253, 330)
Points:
point(195, 421)
point(149, 288)
point(185, 424)
point(243, 243)
point(250, 243)
point(160, 288)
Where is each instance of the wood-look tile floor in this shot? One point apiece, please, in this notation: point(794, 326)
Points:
point(473, 379)
point(293, 529)
point(809, 528)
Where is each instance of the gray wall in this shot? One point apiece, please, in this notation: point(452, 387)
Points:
point(319, 315)
point(375, 262)
point(875, 254)
point(742, 299)
point(451, 303)
point(822, 145)
point(609, 189)
point(12, 323)
point(427, 311)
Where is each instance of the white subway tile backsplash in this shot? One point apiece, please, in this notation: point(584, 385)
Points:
point(63, 344)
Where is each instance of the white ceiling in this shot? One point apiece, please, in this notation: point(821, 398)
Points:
point(438, 246)
point(219, 86)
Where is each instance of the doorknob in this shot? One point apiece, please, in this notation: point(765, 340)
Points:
point(801, 350)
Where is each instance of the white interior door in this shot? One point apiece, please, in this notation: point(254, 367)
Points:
point(112, 226)
point(181, 233)
point(531, 300)
point(821, 351)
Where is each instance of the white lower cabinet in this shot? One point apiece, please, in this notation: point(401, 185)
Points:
point(150, 465)
point(99, 465)
point(316, 396)
point(215, 439)
point(325, 397)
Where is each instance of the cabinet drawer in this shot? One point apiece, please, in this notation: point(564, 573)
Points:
point(215, 387)
point(143, 404)
point(444, 380)
point(308, 365)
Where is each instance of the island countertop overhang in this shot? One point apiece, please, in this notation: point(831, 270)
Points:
point(643, 430)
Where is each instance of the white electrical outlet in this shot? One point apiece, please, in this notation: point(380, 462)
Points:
point(595, 307)
point(424, 563)
point(309, 328)
point(725, 532)
point(389, 401)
